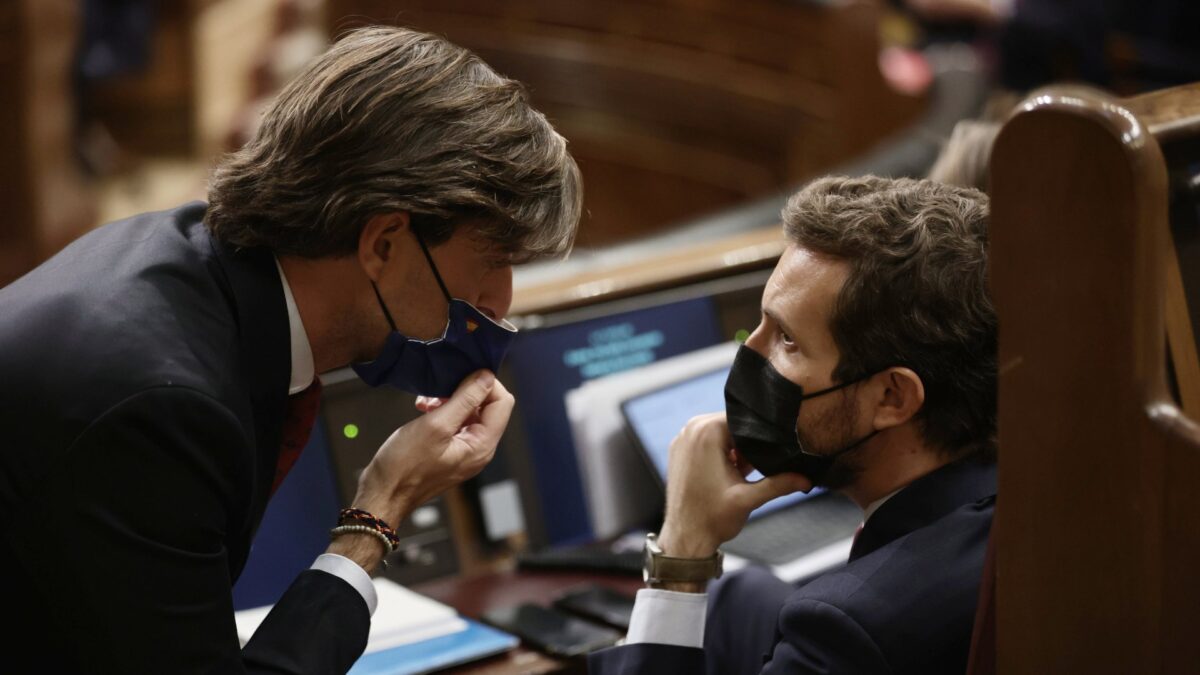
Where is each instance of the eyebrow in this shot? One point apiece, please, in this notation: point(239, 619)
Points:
point(777, 319)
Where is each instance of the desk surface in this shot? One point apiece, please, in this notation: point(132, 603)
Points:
point(472, 596)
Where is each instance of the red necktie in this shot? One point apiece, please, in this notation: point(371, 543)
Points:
point(297, 425)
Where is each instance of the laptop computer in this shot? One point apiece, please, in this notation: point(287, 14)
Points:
point(798, 535)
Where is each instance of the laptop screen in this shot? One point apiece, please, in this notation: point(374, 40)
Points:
point(655, 419)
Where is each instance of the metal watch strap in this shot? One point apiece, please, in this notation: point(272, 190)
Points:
point(663, 568)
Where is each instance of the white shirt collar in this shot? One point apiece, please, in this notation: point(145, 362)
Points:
point(303, 369)
point(874, 506)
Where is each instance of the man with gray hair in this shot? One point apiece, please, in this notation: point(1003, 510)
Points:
point(160, 371)
point(872, 372)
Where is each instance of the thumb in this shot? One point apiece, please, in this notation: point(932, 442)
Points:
point(471, 394)
point(780, 484)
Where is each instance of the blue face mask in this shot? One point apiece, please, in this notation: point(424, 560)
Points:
point(471, 341)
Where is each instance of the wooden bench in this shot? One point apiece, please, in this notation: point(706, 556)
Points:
point(1097, 537)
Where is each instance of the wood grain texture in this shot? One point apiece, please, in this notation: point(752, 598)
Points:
point(1098, 466)
point(758, 249)
point(1169, 115)
point(675, 109)
point(1181, 339)
point(47, 203)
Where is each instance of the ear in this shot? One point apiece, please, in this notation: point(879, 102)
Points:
point(379, 240)
point(900, 398)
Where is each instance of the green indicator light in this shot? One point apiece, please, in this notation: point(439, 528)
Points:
point(350, 431)
point(741, 335)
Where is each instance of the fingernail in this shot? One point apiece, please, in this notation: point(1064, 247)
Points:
point(486, 378)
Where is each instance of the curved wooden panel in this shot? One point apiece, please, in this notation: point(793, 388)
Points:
point(1179, 439)
point(1097, 466)
point(1170, 115)
point(759, 249)
point(677, 109)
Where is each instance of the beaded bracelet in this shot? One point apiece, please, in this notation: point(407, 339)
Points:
point(368, 520)
point(363, 529)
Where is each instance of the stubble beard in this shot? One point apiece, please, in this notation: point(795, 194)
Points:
point(834, 431)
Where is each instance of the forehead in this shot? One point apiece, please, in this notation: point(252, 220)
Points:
point(469, 243)
point(804, 286)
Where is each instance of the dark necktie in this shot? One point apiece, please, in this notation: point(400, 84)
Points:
point(297, 425)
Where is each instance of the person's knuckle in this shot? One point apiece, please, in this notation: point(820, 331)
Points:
point(676, 445)
point(465, 407)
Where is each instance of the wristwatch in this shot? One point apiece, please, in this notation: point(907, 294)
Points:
point(659, 568)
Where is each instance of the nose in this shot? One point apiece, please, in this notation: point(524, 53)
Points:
point(757, 339)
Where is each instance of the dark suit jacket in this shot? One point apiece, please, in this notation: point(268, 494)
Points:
point(904, 603)
point(143, 385)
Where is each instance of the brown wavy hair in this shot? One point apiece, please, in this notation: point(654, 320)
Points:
point(916, 296)
point(388, 120)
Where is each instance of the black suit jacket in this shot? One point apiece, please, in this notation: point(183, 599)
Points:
point(904, 603)
point(143, 385)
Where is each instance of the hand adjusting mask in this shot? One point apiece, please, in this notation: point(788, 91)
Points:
point(470, 341)
point(762, 408)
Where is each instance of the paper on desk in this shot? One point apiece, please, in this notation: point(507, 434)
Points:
point(402, 617)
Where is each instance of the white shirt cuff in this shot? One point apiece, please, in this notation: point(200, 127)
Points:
point(668, 618)
point(352, 573)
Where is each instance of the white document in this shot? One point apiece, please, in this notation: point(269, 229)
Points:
point(402, 617)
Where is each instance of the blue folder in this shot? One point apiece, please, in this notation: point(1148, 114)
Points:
point(476, 642)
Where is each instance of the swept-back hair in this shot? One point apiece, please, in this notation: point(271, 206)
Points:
point(388, 120)
point(916, 295)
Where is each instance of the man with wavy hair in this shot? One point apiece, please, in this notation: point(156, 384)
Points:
point(160, 371)
point(872, 372)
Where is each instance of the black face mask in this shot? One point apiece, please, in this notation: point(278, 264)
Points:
point(762, 406)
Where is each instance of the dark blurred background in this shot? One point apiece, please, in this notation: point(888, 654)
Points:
point(674, 108)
